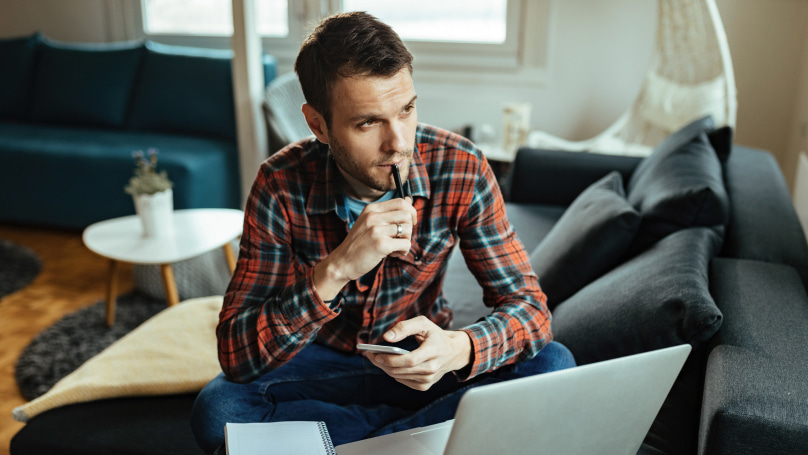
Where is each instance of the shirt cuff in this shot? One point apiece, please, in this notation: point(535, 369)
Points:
point(304, 308)
point(477, 365)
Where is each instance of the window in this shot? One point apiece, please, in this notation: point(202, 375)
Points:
point(211, 17)
point(455, 21)
point(474, 40)
point(452, 34)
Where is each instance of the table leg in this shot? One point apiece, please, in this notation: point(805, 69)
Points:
point(230, 257)
point(112, 292)
point(169, 284)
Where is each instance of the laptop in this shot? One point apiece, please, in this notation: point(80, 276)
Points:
point(604, 407)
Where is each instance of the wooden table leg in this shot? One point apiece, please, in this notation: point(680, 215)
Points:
point(169, 284)
point(112, 292)
point(230, 257)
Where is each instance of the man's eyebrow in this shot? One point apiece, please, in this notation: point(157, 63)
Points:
point(367, 116)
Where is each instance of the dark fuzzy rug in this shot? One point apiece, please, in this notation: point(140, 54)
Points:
point(18, 267)
point(71, 341)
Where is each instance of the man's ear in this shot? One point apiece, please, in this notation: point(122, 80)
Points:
point(316, 123)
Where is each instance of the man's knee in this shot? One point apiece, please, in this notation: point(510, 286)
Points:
point(553, 357)
point(221, 401)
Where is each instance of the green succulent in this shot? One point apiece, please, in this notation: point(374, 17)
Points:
point(146, 179)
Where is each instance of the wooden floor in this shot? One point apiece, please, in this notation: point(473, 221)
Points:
point(72, 277)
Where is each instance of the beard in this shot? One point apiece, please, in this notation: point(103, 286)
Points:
point(348, 165)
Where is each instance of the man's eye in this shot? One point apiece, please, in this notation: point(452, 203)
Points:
point(368, 122)
point(409, 108)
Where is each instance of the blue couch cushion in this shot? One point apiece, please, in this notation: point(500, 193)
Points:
point(87, 84)
point(17, 60)
point(92, 166)
point(184, 90)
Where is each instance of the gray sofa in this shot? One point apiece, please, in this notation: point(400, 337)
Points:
point(697, 244)
point(731, 284)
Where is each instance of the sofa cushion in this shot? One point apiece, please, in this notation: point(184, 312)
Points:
point(588, 240)
point(185, 90)
point(84, 84)
point(657, 299)
point(686, 134)
point(676, 188)
point(17, 59)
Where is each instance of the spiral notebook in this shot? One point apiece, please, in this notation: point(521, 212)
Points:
point(282, 438)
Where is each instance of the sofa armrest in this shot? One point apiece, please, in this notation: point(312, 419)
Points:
point(754, 387)
point(763, 222)
point(557, 177)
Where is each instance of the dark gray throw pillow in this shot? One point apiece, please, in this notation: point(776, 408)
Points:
point(678, 188)
point(588, 240)
point(657, 299)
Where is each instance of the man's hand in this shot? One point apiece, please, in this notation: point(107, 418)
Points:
point(441, 351)
point(373, 236)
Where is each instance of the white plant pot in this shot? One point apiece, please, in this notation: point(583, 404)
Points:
point(156, 212)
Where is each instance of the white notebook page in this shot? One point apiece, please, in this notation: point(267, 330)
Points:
point(279, 438)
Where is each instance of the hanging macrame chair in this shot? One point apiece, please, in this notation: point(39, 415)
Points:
point(690, 76)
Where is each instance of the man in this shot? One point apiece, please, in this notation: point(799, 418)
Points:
point(333, 256)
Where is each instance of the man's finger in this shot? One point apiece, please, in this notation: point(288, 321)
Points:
point(416, 326)
point(404, 206)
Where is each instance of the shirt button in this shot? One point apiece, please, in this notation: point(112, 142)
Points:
point(416, 258)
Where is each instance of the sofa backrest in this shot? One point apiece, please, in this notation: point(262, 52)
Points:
point(557, 177)
point(132, 85)
point(17, 57)
point(184, 90)
point(84, 84)
point(764, 225)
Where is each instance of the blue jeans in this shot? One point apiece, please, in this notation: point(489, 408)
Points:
point(353, 397)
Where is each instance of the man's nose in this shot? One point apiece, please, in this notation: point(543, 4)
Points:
point(395, 139)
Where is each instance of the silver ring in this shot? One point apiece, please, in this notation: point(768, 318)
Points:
point(399, 231)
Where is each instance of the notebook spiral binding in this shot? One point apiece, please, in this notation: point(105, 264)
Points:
point(329, 446)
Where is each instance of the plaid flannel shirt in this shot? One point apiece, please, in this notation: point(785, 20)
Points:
point(272, 310)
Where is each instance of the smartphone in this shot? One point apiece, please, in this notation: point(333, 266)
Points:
point(381, 349)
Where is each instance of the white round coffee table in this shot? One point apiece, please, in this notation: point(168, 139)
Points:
point(196, 231)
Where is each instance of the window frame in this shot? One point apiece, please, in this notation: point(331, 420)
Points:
point(522, 59)
point(468, 55)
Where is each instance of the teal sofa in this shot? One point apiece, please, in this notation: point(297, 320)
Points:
point(72, 114)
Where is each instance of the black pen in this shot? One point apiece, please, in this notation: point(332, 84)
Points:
point(397, 178)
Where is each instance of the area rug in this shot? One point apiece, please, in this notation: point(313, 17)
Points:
point(18, 267)
point(66, 345)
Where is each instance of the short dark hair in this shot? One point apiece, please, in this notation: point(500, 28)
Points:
point(347, 45)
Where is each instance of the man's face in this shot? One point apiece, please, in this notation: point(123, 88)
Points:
point(373, 123)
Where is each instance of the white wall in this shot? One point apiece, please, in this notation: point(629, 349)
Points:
point(767, 40)
point(591, 79)
point(64, 20)
point(598, 53)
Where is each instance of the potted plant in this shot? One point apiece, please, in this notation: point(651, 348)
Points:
point(152, 194)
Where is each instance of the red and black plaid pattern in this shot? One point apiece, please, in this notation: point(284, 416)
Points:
point(272, 310)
